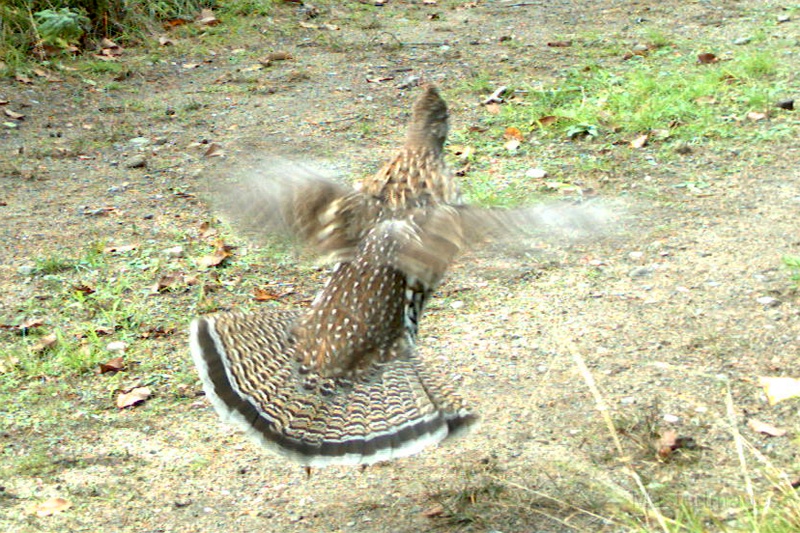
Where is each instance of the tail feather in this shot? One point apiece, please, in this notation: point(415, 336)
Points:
point(253, 378)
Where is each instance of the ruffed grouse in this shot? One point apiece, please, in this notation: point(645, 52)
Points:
point(341, 382)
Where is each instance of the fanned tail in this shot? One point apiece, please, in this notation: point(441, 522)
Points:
point(392, 409)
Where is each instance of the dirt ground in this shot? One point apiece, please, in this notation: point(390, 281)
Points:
point(664, 310)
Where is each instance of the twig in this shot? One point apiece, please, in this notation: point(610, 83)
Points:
point(739, 442)
point(497, 96)
point(569, 346)
point(345, 119)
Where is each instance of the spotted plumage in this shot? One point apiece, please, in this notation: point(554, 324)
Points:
point(341, 382)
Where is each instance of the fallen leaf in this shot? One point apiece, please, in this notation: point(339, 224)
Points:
point(380, 80)
point(559, 44)
point(308, 25)
point(767, 429)
point(112, 365)
point(12, 114)
point(207, 18)
point(707, 58)
point(221, 252)
point(206, 230)
point(157, 332)
point(279, 56)
point(24, 326)
point(670, 442)
point(132, 397)
point(779, 389)
point(23, 79)
point(432, 512)
point(493, 108)
point(120, 249)
point(51, 507)
point(83, 289)
point(189, 66)
point(513, 133)
point(547, 120)
point(110, 48)
point(44, 343)
point(174, 23)
point(214, 150)
point(639, 141)
point(166, 282)
point(755, 116)
point(263, 295)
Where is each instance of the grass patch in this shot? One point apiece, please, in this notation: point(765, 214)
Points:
point(666, 94)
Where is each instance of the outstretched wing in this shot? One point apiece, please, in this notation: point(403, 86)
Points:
point(284, 198)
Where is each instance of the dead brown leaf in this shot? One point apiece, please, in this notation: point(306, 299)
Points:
point(120, 249)
point(112, 365)
point(767, 429)
point(221, 252)
point(433, 512)
point(513, 134)
point(166, 282)
point(279, 56)
point(264, 295)
point(157, 332)
point(207, 18)
point(214, 150)
point(640, 141)
point(23, 79)
point(380, 80)
point(707, 58)
point(547, 120)
point(559, 44)
point(132, 397)
point(12, 114)
point(670, 442)
point(206, 231)
point(45, 343)
point(51, 507)
point(174, 23)
point(24, 326)
point(83, 289)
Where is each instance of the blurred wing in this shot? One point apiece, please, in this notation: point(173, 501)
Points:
point(289, 199)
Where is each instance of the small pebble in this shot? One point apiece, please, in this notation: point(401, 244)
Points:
point(672, 419)
point(457, 304)
point(768, 301)
point(136, 161)
point(641, 272)
point(742, 41)
point(175, 251)
point(535, 173)
point(116, 346)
